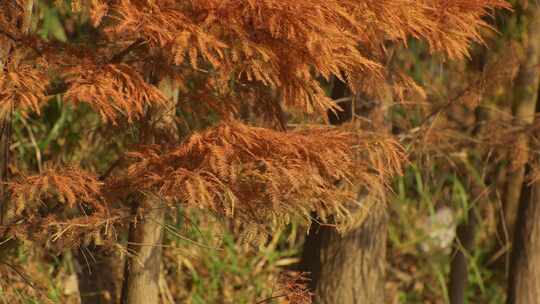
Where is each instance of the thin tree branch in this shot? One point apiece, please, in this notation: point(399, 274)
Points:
point(120, 56)
point(270, 299)
point(61, 87)
point(21, 41)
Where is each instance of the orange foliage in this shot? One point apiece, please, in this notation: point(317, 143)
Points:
point(66, 185)
point(22, 86)
point(112, 89)
point(259, 174)
point(50, 206)
point(281, 44)
point(220, 52)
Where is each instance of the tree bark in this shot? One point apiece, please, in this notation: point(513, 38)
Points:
point(143, 263)
point(459, 265)
point(466, 231)
point(524, 280)
point(349, 268)
point(525, 98)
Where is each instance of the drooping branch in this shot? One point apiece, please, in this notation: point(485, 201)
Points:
point(234, 169)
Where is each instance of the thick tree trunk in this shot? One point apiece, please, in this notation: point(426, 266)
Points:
point(144, 260)
point(349, 268)
point(143, 263)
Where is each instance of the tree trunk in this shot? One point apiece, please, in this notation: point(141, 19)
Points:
point(459, 265)
point(99, 275)
point(143, 263)
point(524, 280)
point(459, 273)
point(349, 268)
point(466, 231)
point(6, 213)
point(525, 90)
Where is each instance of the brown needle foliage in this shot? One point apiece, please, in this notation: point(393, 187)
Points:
point(284, 48)
point(68, 185)
point(294, 40)
point(111, 90)
point(258, 174)
point(22, 85)
point(219, 52)
point(60, 208)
